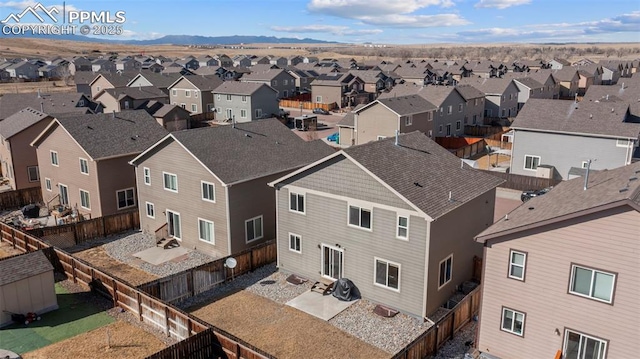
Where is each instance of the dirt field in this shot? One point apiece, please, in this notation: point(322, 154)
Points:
point(99, 258)
point(283, 331)
point(127, 341)
point(6, 250)
point(45, 86)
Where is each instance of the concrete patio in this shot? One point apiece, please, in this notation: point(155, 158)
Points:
point(158, 255)
point(321, 306)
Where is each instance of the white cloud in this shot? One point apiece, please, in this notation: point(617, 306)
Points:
point(501, 4)
point(415, 21)
point(331, 29)
point(18, 5)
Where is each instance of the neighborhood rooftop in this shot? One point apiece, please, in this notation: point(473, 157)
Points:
point(239, 88)
point(52, 103)
point(407, 105)
point(23, 266)
point(20, 121)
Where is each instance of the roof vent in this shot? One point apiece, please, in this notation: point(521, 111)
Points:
point(623, 190)
point(532, 208)
point(590, 115)
point(89, 127)
point(634, 178)
point(247, 135)
point(417, 184)
point(612, 110)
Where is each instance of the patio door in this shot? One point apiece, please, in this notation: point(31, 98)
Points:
point(332, 262)
point(64, 194)
point(173, 224)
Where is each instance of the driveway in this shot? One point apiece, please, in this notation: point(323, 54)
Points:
point(330, 122)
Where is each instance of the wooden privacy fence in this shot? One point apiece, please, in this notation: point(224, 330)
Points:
point(172, 321)
point(484, 131)
point(68, 235)
point(19, 198)
point(194, 281)
point(523, 183)
point(307, 105)
point(444, 329)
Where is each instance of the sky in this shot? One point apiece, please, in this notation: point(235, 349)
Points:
point(374, 21)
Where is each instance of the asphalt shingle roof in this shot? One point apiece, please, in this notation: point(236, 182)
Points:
point(490, 86)
point(251, 150)
point(137, 93)
point(469, 92)
point(569, 197)
point(423, 172)
point(239, 88)
point(204, 82)
point(407, 105)
point(159, 80)
point(20, 121)
point(52, 104)
point(22, 267)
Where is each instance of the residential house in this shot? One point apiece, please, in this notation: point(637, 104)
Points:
point(107, 80)
point(245, 101)
point(474, 106)
point(558, 64)
point(528, 88)
point(85, 160)
point(154, 79)
point(189, 63)
point(105, 65)
point(560, 272)
point(23, 70)
point(383, 117)
point(207, 60)
point(190, 182)
point(545, 77)
point(193, 93)
point(394, 208)
point(18, 159)
point(572, 133)
point(225, 61)
point(82, 79)
point(373, 80)
point(568, 79)
point(302, 79)
point(79, 63)
point(129, 98)
point(242, 61)
point(151, 66)
point(171, 117)
point(610, 72)
point(501, 96)
point(415, 75)
point(294, 60)
point(49, 103)
point(279, 79)
point(260, 60)
point(343, 89)
point(127, 64)
point(589, 75)
point(54, 72)
point(4, 74)
point(528, 65)
point(279, 61)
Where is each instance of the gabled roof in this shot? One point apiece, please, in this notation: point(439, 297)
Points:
point(266, 75)
point(368, 76)
point(201, 82)
point(50, 103)
point(22, 267)
point(469, 92)
point(490, 86)
point(240, 88)
point(404, 105)
point(117, 79)
point(84, 77)
point(247, 151)
point(109, 135)
point(605, 189)
point(529, 82)
point(136, 93)
point(158, 80)
point(566, 73)
point(605, 118)
point(20, 121)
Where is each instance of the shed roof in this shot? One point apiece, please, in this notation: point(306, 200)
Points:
point(21, 267)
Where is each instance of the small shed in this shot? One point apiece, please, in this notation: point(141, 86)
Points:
point(26, 285)
point(306, 123)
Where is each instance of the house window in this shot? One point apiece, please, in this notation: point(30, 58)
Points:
point(205, 231)
point(475, 119)
point(97, 88)
point(449, 129)
point(403, 227)
point(359, 217)
point(126, 105)
point(460, 108)
point(274, 83)
point(622, 142)
point(285, 93)
point(228, 97)
point(531, 162)
point(253, 228)
point(84, 166)
point(147, 176)
point(33, 174)
point(592, 283)
point(151, 210)
point(295, 243)
point(208, 191)
point(195, 93)
point(218, 96)
point(430, 133)
point(408, 121)
point(258, 113)
point(126, 198)
point(582, 346)
point(504, 112)
point(194, 107)
point(449, 109)
point(296, 202)
point(440, 128)
point(513, 321)
point(174, 92)
point(379, 137)
point(387, 274)
point(446, 269)
point(244, 98)
point(54, 158)
point(318, 99)
point(187, 93)
point(173, 224)
point(458, 125)
point(243, 113)
point(84, 199)
point(170, 181)
point(285, 83)
point(47, 184)
point(517, 263)
point(475, 102)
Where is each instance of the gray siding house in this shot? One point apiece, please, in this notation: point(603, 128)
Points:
point(501, 96)
point(193, 93)
point(380, 215)
point(245, 101)
point(281, 81)
point(208, 186)
point(565, 135)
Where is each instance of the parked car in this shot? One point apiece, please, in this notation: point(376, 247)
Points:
point(334, 137)
point(527, 195)
point(321, 111)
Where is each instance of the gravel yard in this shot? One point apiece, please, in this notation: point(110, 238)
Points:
point(457, 347)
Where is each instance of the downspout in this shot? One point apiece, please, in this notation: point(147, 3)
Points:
point(426, 270)
point(226, 193)
point(277, 190)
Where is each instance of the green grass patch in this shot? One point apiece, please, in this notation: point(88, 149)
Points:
point(75, 316)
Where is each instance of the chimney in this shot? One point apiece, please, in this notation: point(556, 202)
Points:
point(396, 142)
point(42, 107)
point(586, 175)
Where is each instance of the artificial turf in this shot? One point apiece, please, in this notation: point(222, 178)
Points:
point(74, 316)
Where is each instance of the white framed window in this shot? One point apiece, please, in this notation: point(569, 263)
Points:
point(208, 191)
point(440, 128)
point(126, 105)
point(512, 321)
point(449, 110)
point(243, 113)
point(445, 271)
point(622, 142)
point(84, 199)
point(187, 93)
point(170, 181)
point(33, 174)
point(475, 102)
point(218, 97)
point(253, 229)
point(318, 99)
point(54, 158)
point(97, 88)
point(430, 133)
point(295, 243)
point(174, 92)
point(205, 231)
point(147, 175)
point(408, 121)
point(592, 283)
point(582, 346)
point(274, 83)
point(47, 184)
point(360, 217)
point(218, 110)
point(151, 210)
point(285, 82)
point(228, 97)
point(517, 264)
point(380, 137)
point(194, 107)
point(258, 113)
point(126, 198)
point(174, 225)
point(458, 125)
point(296, 202)
point(531, 162)
point(244, 98)
point(84, 166)
point(402, 231)
point(195, 94)
point(387, 274)
point(460, 107)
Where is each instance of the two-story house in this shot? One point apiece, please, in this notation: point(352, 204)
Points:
point(49, 103)
point(128, 98)
point(23, 70)
point(208, 186)
point(154, 79)
point(279, 79)
point(528, 87)
point(107, 80)
point(501, 96)
point(84, 160)
point(193, 93)
point(394, 210)
point(474, 106)
point(18, 160)
point(565, 134)
point(245, 101)
point(561, 272)
point(568, 79)
point(343, 89)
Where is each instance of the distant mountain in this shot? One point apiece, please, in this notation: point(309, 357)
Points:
point(187, 40)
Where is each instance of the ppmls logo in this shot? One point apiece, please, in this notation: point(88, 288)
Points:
point(52, 21)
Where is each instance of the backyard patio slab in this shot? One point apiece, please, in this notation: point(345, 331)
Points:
point(321, 306)
point(158, 255)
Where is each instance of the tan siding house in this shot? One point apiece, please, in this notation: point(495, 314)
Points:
point(561, 273)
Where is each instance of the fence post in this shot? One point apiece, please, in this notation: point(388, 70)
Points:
point(251, 260)
point(139, 298)
point(166, 321)
point(13, 237)
point(73, 270)
point(453, 323)
point(75, 233)
point(115, 292)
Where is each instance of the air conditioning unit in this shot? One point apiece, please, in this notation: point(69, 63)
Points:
point(545, 171)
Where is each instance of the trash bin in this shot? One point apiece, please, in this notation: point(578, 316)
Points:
point(31, 211)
